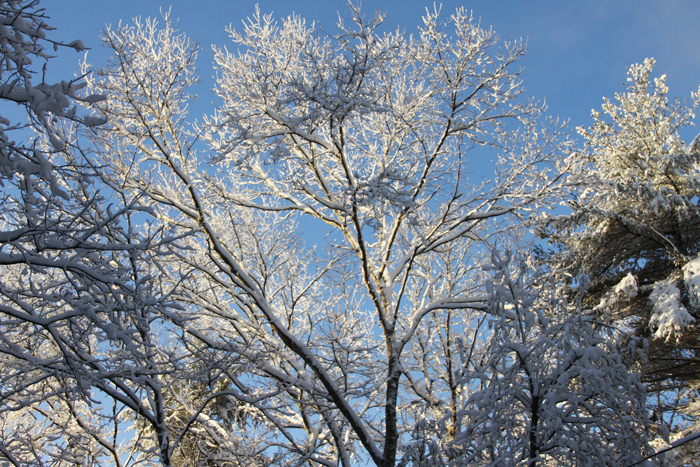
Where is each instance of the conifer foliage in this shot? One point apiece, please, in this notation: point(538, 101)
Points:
point(634, 233)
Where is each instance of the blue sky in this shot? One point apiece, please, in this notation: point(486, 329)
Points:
point(578, 51)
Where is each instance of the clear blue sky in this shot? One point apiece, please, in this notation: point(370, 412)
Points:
point(578, 51)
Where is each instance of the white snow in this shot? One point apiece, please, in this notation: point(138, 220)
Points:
point(627, 287)
point(691, 277)
point(669, 316)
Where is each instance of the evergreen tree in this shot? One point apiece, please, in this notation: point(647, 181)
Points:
point(633, 235)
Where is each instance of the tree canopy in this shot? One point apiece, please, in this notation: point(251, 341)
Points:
point(311, 275)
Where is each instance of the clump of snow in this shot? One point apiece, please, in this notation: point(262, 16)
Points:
point(667, 447)
point(668, 315)
point(94, 121)
point(627, 287)
point(691, 277)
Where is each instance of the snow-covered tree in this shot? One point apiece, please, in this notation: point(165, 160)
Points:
point(297, 278)
point(80, 311)
point(634, 231)
point(79, 306)
point(331, 234)
point(548, 387)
